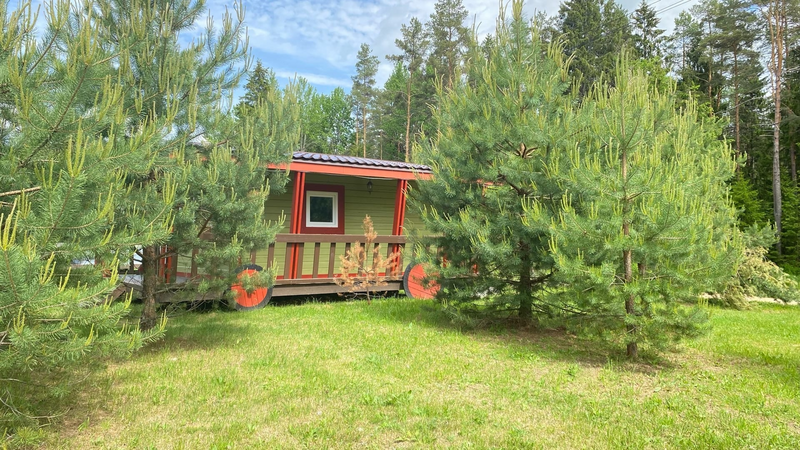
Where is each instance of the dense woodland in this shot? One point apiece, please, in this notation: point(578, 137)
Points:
point(737, 59)
point(584, 166)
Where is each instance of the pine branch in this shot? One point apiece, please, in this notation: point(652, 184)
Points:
point(20, 191)
point(520, 192)
point(54, 129)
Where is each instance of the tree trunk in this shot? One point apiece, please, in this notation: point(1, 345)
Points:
point(450, 57)
point(408, 114)
point(776, 15)
point(776, 170)
point(710, 70)
point(149, 282)
point(364, 137)
point(525, 288)
point(736, 107)
point(627, 264)
point(683, 55)
point(751, 160)
point(633, 347)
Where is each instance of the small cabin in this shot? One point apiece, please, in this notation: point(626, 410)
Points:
point(324, 206)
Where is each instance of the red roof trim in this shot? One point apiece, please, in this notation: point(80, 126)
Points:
point(348, 169)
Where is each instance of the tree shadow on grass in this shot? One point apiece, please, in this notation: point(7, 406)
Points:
point(86, 400)
point(526, 341)
point(209, 331)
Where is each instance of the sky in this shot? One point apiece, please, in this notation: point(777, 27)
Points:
point(319, 39)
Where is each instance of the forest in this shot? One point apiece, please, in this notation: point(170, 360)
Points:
point(737, 59)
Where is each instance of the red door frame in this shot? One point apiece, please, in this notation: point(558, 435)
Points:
point(399, 216)
point(298, 198)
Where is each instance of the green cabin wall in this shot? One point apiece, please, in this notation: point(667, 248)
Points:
point(358, 202)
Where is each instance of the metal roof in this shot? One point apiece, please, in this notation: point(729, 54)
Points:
point(357, 161)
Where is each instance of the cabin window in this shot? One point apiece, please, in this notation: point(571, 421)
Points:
point(322, 209)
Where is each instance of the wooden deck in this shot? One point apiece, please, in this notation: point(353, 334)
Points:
point(294, 277)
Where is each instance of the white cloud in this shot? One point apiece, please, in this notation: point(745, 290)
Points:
point(322, 80)
point(291, 35)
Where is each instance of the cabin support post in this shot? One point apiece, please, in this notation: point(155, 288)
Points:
point(399, 218)
point(167, 265)
point(298, 198)
point(172, 266)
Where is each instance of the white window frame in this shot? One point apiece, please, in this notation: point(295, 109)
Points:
point(328, 194)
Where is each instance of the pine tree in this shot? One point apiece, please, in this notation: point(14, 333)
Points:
point(339, 121)
point(791, 119)
point(594, 32)
point(696, 59)
point(364, 92)
point(391, 109)
point(414, 47)
point(498, 132)
point(581, 22)
point(789, 259)
point(683, 55)
point(617, 34)
point(647, 227)
point(776, 14)
point(737, 25)
point(647, 37)
point(260, 82)
point(711, 56)
point(449, 39)
point(752, 210)
point(217, 164)
point(65, 152)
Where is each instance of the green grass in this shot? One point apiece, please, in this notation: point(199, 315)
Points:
point(395, 374)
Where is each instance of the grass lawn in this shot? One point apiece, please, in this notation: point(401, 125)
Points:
point(395, 374)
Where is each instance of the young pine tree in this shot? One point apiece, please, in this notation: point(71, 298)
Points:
point(499, 132)
point(218, 164)
point(65, 150)
point(647, 226)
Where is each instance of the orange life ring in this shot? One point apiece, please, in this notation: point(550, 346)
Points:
point(259, 298)
point(413, 283)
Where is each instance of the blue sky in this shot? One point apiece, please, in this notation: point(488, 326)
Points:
point(319, 39)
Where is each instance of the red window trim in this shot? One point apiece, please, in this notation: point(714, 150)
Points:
point(339, 203)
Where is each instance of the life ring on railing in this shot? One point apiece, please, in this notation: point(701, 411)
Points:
point(245, 301)
point(414, 286)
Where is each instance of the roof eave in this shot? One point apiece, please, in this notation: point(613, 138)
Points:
point(391, 173)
